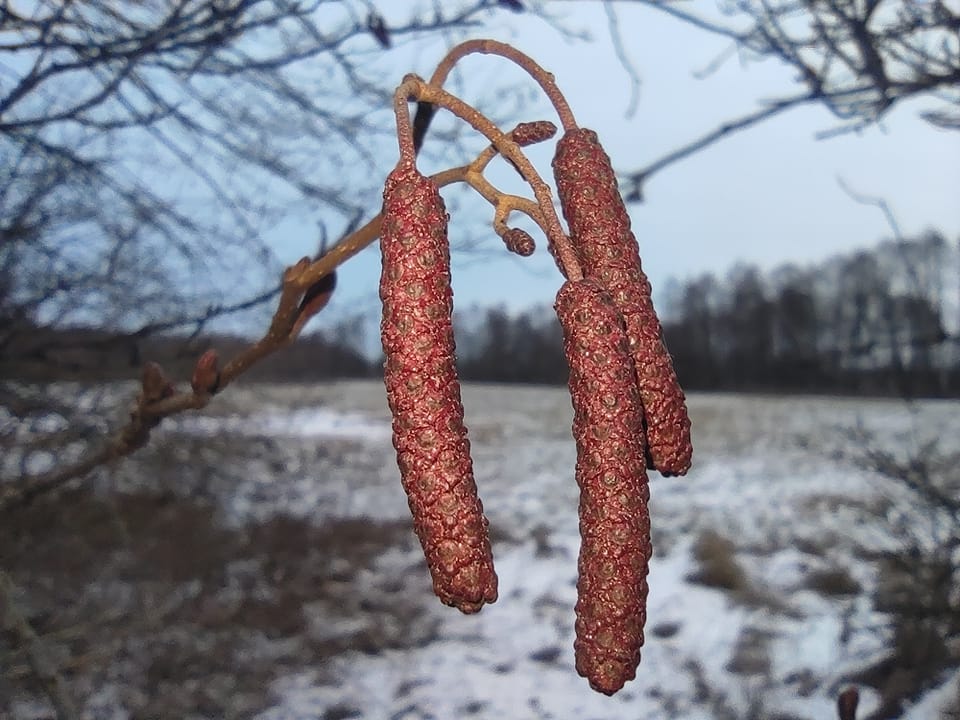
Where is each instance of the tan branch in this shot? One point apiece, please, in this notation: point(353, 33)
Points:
point(158, 399)
point(560, 245)
point(543, 78)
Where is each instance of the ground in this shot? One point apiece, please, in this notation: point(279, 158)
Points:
point(258, 561)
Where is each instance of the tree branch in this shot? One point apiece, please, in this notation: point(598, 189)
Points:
point(635, 180)
point(44, 667)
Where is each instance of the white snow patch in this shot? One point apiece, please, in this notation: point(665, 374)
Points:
point(312, 422)
point(767, 474)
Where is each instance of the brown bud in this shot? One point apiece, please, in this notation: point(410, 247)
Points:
point(614, 516)
point(206, 374)
point(847, 704)
point(530, 133)
point(154, 384)
point(423, 392)
point(519, 241)
point(600, 229)
point(314, 300)
point(295, 271)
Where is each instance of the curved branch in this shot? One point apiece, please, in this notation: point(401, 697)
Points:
point(492, 47)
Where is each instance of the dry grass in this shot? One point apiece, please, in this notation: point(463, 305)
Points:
point(751, 654)
point(717, 563)
point(718, 567)
point(191, 618)
point(916, 595)
point(832, 582)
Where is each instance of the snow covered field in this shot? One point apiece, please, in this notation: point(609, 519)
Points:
point(767, 476)
point(736, 624)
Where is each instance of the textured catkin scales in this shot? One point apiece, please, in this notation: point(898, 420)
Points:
point(424, 393)
point(600, 228)
point(611, 472)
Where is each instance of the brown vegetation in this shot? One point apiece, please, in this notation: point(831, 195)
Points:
point(151, 590)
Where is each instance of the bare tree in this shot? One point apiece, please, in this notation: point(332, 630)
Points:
point(149, 149)
point(857, 58)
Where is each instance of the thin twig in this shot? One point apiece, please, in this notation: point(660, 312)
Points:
point(560, 245)
point(638, 178)
point(613, 24)
point(543, 78)
point(12, 620)
point(288, 319)
point(877, 202)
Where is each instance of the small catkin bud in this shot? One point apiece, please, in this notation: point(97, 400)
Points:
point(531, 133)
point(615, 545)
point(154, 383)
point(423, 391)
point(206, 373)
point(315, 299)
point(519, 241)
point(847, 704)
point(600, 229)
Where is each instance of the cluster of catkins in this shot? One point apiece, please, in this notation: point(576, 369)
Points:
point(629, 410)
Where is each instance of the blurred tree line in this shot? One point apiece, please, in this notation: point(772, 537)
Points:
point(882, 321)
point(878, 321)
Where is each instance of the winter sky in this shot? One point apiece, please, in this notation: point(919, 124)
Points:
point(768, 195)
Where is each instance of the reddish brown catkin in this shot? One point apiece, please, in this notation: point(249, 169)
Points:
point(600, 228)
point(424, 393)
point(611, 472)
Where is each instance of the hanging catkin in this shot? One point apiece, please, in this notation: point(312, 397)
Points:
point(424, 393)
point(600, 229)
point(611, 472)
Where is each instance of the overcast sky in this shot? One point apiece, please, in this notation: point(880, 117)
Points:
point(767, 195)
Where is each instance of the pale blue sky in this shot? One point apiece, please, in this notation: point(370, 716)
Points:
point(767, 195)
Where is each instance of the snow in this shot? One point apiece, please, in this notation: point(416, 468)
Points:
point(777, 477)
point(765, 472)
point(314, 422)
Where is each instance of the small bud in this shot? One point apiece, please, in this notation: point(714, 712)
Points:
point(206, 374)
point(519, 241)
point(154, 384)
point(293, 273)
point(530, 133)
point(314, 300)
point(847, 704)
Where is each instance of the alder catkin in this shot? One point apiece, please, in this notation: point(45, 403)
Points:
point(423, 391)
point(611, 472)
point(600, 229)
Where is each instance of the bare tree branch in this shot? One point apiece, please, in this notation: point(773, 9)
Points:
point(634, 181)
point(43, 666)
point(857, 60)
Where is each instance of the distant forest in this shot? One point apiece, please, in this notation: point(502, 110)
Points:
point(883, 321)
point(880, 321)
